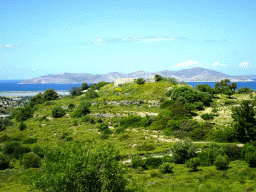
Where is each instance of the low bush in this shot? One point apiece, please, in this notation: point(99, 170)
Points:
point(136, 161)
point(49, 103)
point(86, 118)
point(155, 173)
point(14, 149)
point(31, 160)
point(69, 138)
point(90, 94)
point(38, 150)
point(4, 161)
point(4, 137)
point(166, 167)
point(233, 151)
point(29, 140)
point(183, 150)
point(166, 103)
point(152, 162)
point(140, 81)
point(193, 163)
point(22, 126)
point(250, 156)
point(103, 128)
point(166, 158)
point(58, 112)
point(221, 162)
point(145, 147)
point(71, 106)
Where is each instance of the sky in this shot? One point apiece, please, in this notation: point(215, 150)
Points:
point(100, 36)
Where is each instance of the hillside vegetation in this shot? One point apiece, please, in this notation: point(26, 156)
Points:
point(139, 136)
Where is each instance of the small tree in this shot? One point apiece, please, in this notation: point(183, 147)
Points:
point(50, 94)
point(22, 126)
point(158, 77)
point(58, 112)
point(84, 86)
point(193, 163)
point(31, 160)
point(183, 150)
point(140, 81)
point(221, 162)
point(4, 161)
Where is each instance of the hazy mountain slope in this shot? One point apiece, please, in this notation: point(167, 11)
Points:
point(192, 74)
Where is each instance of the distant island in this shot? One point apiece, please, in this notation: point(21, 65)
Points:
point(196, 74)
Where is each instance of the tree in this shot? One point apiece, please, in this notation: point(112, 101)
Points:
point(84, 86)
point(58, 112)
point(183, 150)
point(80, 167)
point(37, 99)
point(244, 90)
point(158, 77)
point(244, 121)
point(140, 81)
point(75, 91)
point(50, 94)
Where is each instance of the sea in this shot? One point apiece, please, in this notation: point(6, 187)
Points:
point(14, 88)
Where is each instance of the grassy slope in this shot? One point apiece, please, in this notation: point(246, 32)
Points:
point(49, 135)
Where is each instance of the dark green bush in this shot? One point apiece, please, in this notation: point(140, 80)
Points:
point(31, 160)
point(4, 137)
point(14, 149)
point(69, 138)
point(29, 140)
point(64, 135)
point(140, 81)
point(38, 150)
point(233, 151)
point(77, 113)
point(193, 163)
point(250, 156)
point(22, 113)
point(137, 161)
point(86, 118)
point(166, 104)
point(152, 162)
point(145, 147)
point(49, 103)
point(4, 161)
point(167, 158)
point(2, 126)
point(22, 126)
point(183, 150)
point(71, 106)
point(90, 94)
point(50, 94)
point(221, 162)
point(58, 112)
point(207, 116)
point(166, 167)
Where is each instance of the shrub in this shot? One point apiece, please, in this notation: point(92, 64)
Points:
point(183, 150)
point(15, 149)
point(207, 116)
point(86, 118)
point(58, 112)
point(2, 126)
point(22, 126)
point(233, 151)
point(22, 114)
point(50, 94)
point(103, 127)
point(38, 150)
point(91, 94)
point(81, 167)
point(71, 106)
point(166, 103)
point(250, 156)
point(152, 162)
point(4, 161)
point(140, 81)
point(166, 167)
point(193, 163)
point(31, 160)
point(49, 103)
point(169, 93)
point(145, 147)
point(137, 161)
point(4, 137)
point(29, 140)
point(155, 173)
point(77, 113)
point(221, 162)
point(166, 158)
point(69, 139)
point(75, 91)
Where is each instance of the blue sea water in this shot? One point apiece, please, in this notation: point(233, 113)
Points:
point(13, 88)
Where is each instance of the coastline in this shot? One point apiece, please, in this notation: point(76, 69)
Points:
point(28, 93)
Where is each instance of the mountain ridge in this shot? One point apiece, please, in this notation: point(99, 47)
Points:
point(196, 74)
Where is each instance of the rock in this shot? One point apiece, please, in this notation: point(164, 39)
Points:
point(64, 107)
point(43, 125)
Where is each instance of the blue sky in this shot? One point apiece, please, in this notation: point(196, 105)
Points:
point(100, 36)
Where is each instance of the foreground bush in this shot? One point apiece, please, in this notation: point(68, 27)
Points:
point(183, 150)
point(80, 167)
point(31, 160)
point(137, 162)
point(166, 167)
point(29, 140)
point(221, 162)
point(15, 149)
point(58, 112)
point(4, 161)
point(193, 163)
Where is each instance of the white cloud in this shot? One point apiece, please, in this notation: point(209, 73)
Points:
point(244, 64)
point(218, 65)
point(186, 64)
